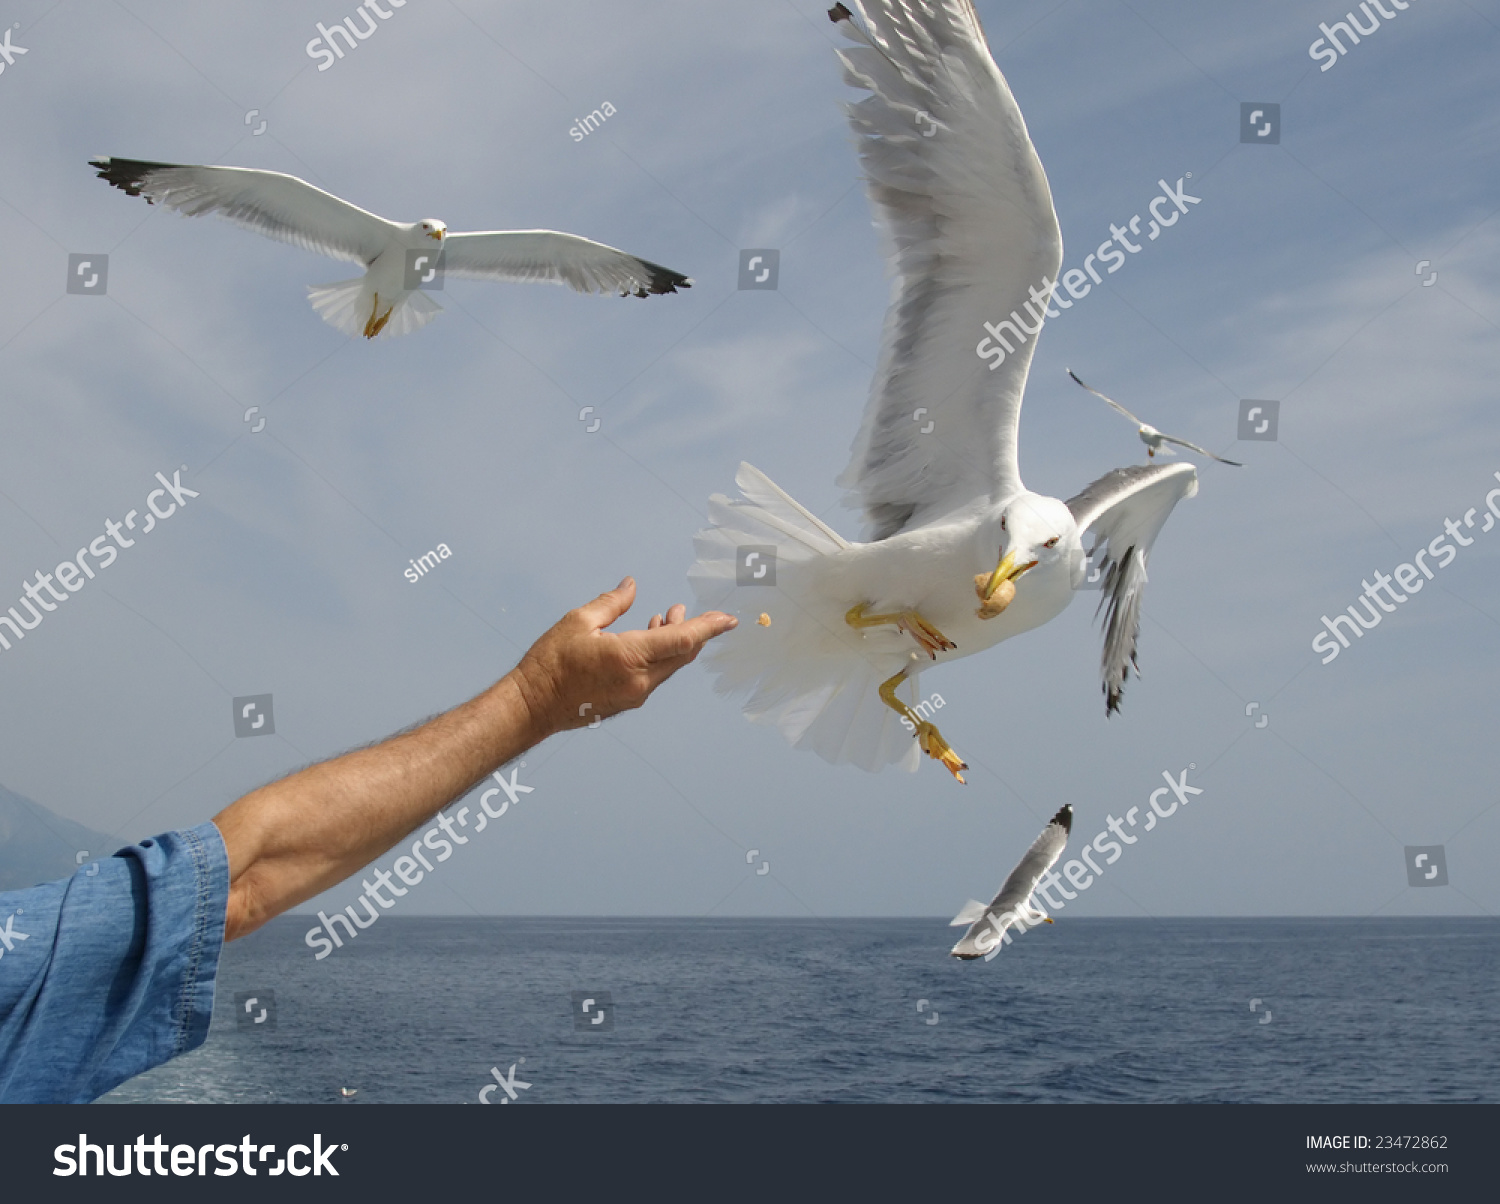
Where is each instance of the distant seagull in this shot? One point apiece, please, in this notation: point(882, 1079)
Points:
point(348, 1092)
point(1153, 438)
point(959, 555)
point(1014, 905)
point(292, 210)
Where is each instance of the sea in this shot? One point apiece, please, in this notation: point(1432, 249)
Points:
point(577, 1010)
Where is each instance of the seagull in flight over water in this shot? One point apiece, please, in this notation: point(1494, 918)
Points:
point(1150, 436)
point(1015, 905)
point(960, 555)
point(398, 257)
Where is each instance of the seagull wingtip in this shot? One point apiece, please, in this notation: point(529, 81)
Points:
point(661, 280)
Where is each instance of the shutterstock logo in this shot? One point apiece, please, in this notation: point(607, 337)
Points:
point(1426, 865)
point(9, 50)
point(255, 1009)
point(189, 1160)
point(43, 595)
point(326, 45)
point(755, 564)
point(9, 936)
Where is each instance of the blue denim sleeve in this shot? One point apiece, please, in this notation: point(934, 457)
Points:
point(110, 972)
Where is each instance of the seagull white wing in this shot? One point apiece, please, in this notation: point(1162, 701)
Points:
point(961, 195)
point(1018, 888)
point(524, 256)
point(1109, 400)
point(1202, 451)
point(1125, 510)
point(269, 202)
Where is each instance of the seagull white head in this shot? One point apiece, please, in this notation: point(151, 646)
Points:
point(434, 229)
point(1036, 533)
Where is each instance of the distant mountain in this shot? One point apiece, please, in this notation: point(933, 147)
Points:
point(38, 846)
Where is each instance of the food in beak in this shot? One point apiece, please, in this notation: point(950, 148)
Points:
point(998, 589)
point(996, 603)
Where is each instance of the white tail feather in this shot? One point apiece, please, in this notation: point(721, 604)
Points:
point(347, 305)
point(972, 910)
point(807, 674)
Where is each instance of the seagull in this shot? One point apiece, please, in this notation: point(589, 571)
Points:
point(1015, 905)
point(1150, 436)
point(398, 257)
point(348, 1092)
point(958, 186)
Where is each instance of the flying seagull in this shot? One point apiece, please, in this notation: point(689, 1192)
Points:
point(1014, 906)
point(960, 554)
point(397, 256)
point(1150, 436)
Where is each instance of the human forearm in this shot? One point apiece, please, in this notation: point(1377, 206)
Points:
point(295, 838)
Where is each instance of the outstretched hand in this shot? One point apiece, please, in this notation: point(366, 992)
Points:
point(578, 672)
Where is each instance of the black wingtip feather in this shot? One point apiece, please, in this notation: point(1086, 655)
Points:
point(1064, 818)
point(127, 174)
point(663, 280)
point(839, 13)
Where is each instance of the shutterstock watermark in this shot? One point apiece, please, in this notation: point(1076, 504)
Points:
point(9, 936)
point(42, 597)
point(438, 840)
point(1078, 874)
point(1406, 577)
point(926, 709)
point(1009, 333)
point(428, 562)
point(248, 1158)
point(9, 51)
point(584, 126)
point(1329, 48)
point(326, 45)
point(506, 1082)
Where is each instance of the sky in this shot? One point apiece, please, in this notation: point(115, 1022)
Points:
point(1347, 271)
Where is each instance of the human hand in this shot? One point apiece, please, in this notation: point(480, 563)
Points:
point(578, 672)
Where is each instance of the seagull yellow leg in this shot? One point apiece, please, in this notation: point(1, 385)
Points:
point(928, 736)
point(377, 320)
point(929, 638)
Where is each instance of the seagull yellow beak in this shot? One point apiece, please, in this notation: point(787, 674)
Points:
point(1049, 919)
point(1006, 570)
point(435, 235)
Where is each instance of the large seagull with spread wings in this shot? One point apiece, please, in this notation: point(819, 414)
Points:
point(960, 554)
point(399, 258)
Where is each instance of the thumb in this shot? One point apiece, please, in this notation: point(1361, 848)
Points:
point(608, 607)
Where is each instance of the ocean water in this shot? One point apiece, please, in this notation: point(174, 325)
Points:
point(419, 1010)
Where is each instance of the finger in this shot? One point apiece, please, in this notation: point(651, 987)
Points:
point(677, 613)
point(656, 621)
point(608, 607)
point(685, 638)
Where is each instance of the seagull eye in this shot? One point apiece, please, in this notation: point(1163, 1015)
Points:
point(1051, 543)
point(1002, 522)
